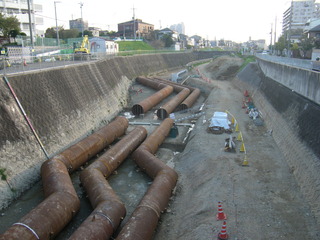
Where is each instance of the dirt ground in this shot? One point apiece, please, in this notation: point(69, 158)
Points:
point(261, 200)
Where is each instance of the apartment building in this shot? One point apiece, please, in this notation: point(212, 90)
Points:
point(180, 28)
point(19, 9)
point(299, 12)
point(134, 28)
point(79, 24)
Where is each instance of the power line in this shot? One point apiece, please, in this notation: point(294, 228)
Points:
point(50, 18)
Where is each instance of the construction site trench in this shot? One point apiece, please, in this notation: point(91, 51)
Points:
point(262, 187)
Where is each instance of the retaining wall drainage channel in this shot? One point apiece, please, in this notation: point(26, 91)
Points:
point(144, 219)
point(61, 203)
point(108, 208)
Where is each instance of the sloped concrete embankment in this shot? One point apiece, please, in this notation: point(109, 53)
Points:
point(294, 121)
point(64, 105)
point(303, 81)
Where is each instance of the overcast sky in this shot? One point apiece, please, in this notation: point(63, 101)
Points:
point(235, 20)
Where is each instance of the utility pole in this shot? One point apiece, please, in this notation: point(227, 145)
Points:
point(271, 38)
point(134, 24)
point(57, 30)
point(289, 31)
point(275, 31)
point(81, 4)
point(30, 25)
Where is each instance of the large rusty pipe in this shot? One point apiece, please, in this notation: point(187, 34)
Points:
point(187, 102)
point(144, 219)
point(161, 80)
point(190, 100)
point(61, 203)
point(78, 154)
point(164, 111)
point(153, 100)
point(149, 83)
point(108, 208)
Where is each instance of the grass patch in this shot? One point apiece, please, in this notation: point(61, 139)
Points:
point(247, 59)
point(200, 63)
point(4, 177)
point(134, 46)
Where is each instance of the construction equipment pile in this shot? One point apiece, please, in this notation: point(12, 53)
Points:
point(251, 110)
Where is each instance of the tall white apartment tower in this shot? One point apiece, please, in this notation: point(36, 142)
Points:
point(299, 12)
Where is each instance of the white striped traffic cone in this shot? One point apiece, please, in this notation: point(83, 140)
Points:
point(221, 215)
point(223, 233)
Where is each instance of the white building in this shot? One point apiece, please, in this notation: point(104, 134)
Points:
point(299, 12)
point(180, 28)
point(19, 9)
point(99, 45)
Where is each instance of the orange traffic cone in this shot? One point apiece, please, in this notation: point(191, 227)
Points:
point(243, 104)
point(221, 215)
point(223, 234)
point(246, 94)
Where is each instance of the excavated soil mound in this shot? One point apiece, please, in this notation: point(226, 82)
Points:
point(224, 67)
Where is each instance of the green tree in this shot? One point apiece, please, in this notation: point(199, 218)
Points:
point(68, 33)
point(50, 33)
point(281, 44)
point(14, 33)
point(306, 44)
point(8, 24)
point(167, 39)
point(317, 43)
point(85, 32)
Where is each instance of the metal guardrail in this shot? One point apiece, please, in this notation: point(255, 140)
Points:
point(12, 65)
point(299, 63)
point(23, 64)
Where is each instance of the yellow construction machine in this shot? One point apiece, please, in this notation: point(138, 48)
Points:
point(83, 52)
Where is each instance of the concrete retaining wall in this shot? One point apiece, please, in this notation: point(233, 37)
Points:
point(64, 105)
point(303, 81)
point(294, 121)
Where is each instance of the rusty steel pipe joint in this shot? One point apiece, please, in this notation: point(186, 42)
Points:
point(61, 203)
point(144, 219)
point(190, 100)
point(170, 106)
point(150, 102)
point(108, 208)
point(149, 83)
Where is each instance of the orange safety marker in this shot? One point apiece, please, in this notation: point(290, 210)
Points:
point(246, 94)
point(221, 215)
point(243, 105)
point(223, 233)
